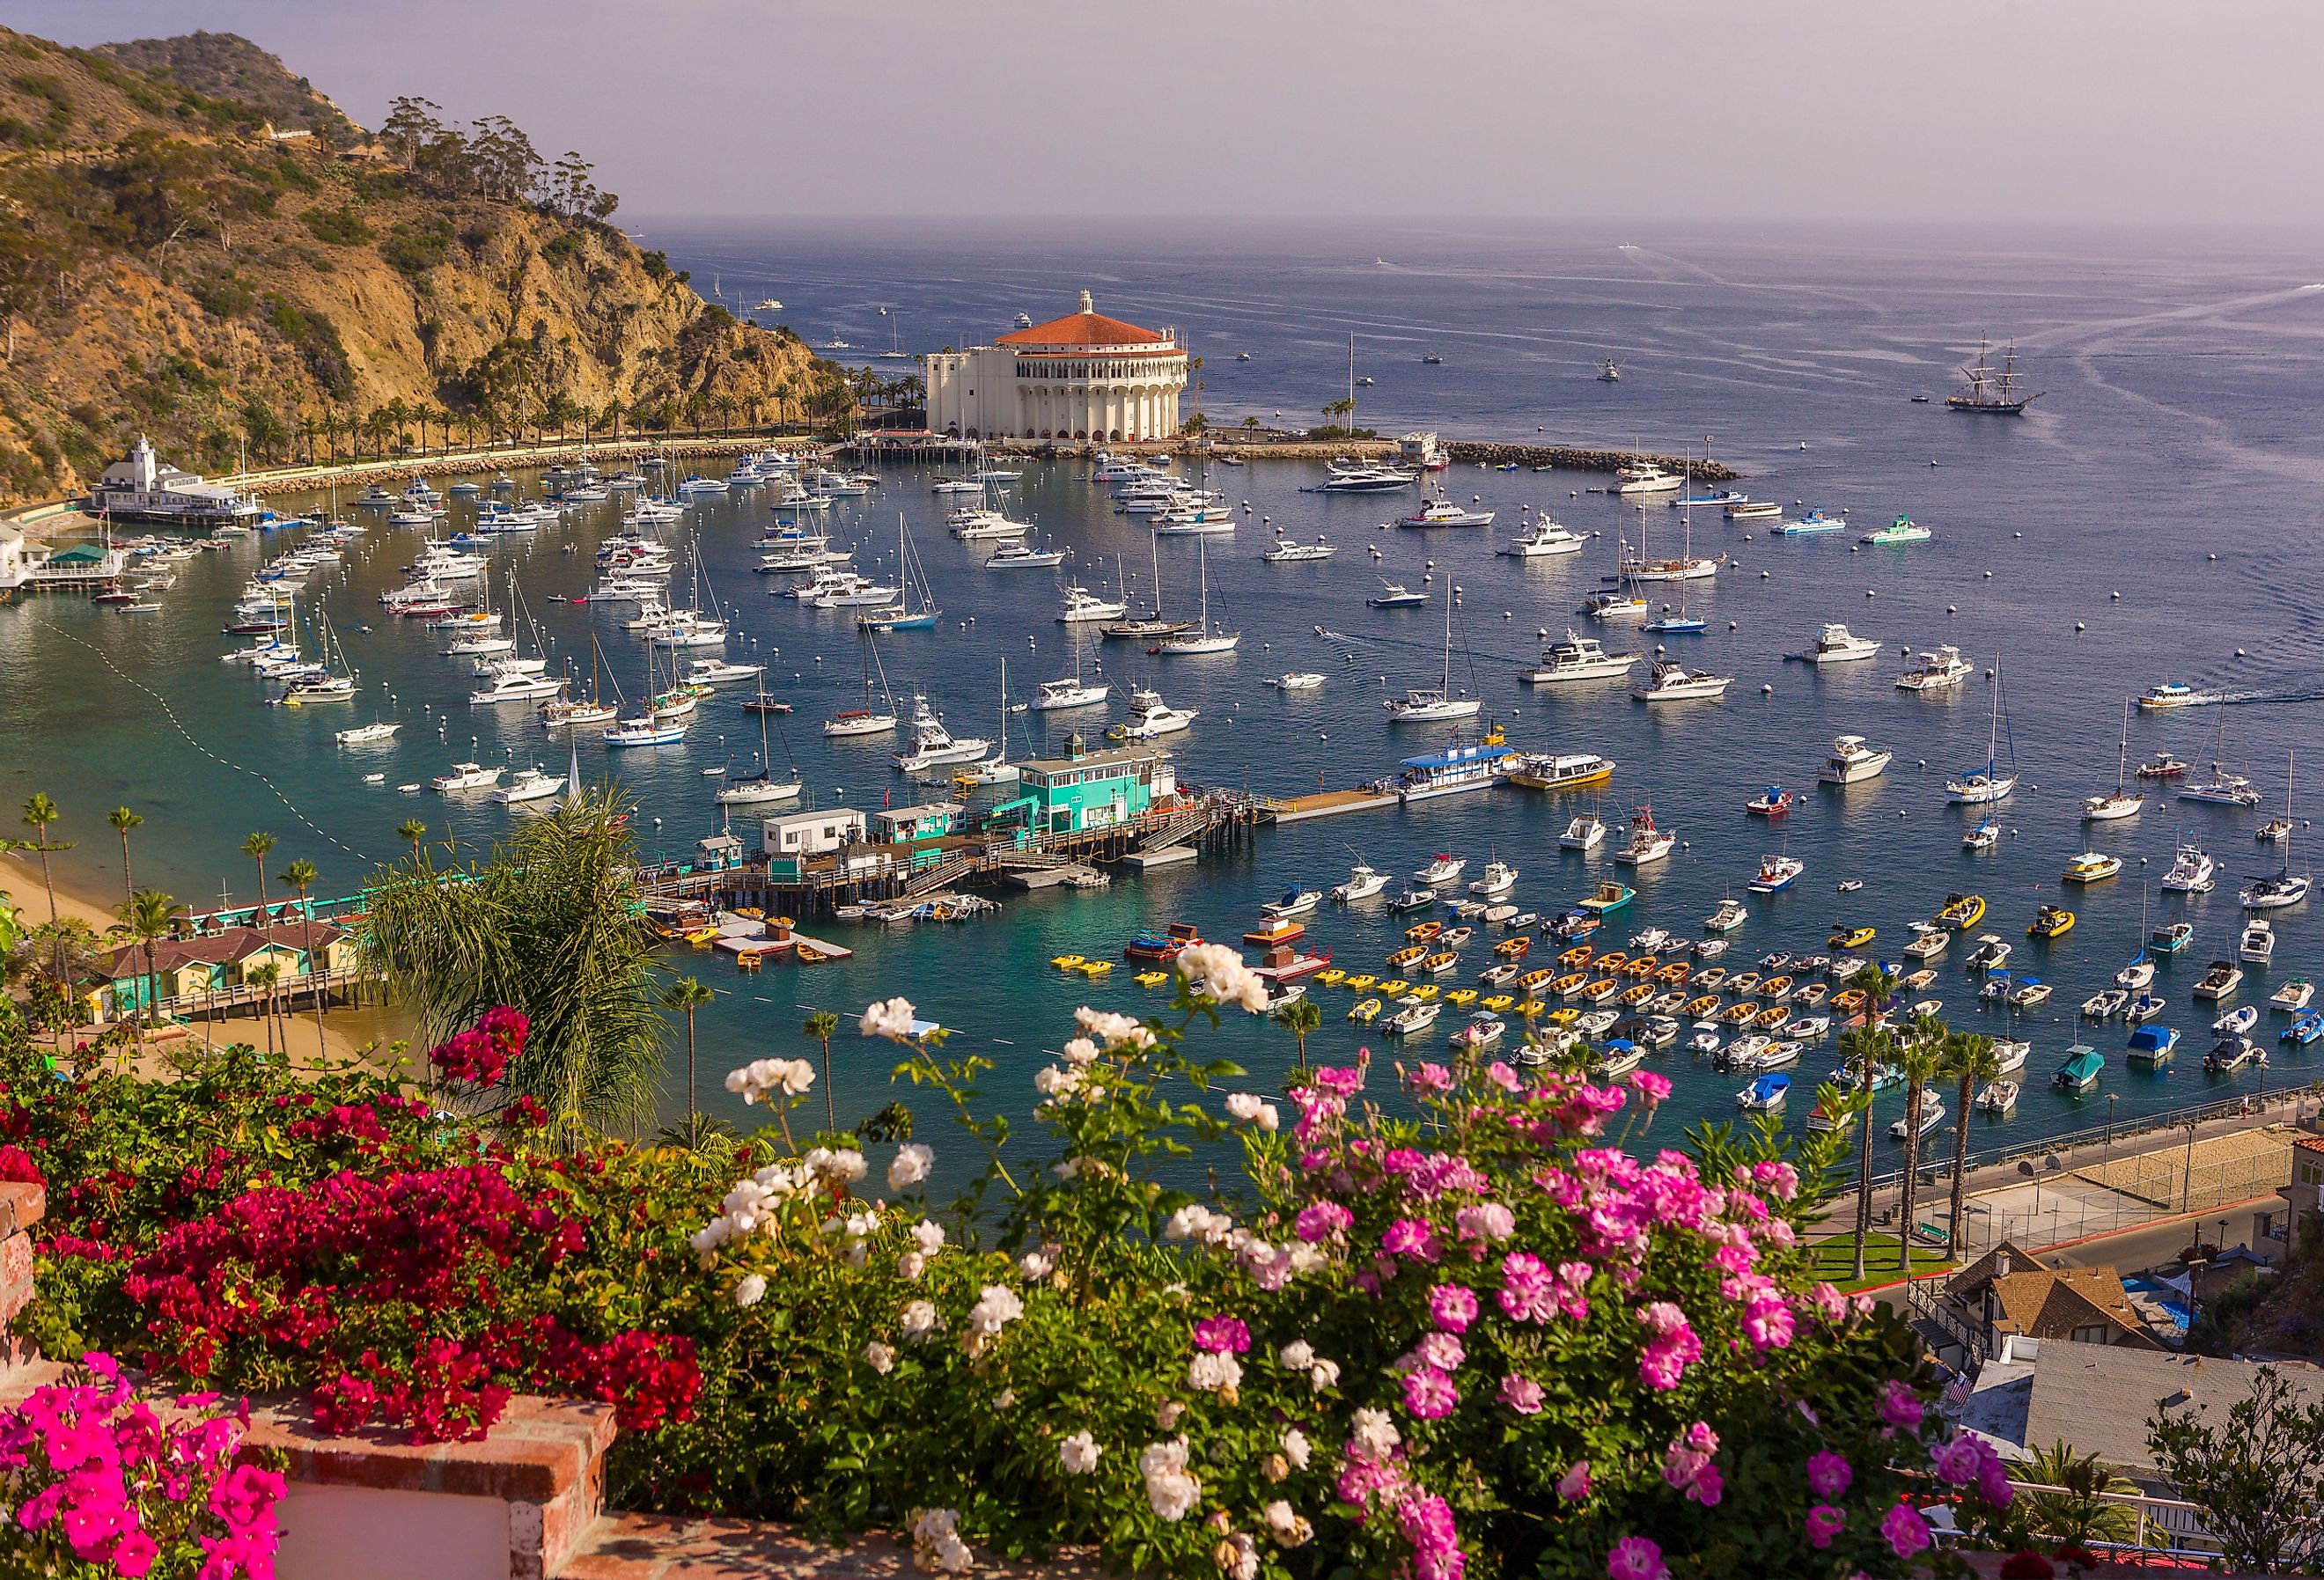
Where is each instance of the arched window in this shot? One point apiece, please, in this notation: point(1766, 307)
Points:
point(1079, 434)
point(1115, 435)
point(972, 433)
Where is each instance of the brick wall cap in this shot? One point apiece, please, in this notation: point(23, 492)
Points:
point(537, 1451)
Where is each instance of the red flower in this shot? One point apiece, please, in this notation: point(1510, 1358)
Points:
point(17, 1167)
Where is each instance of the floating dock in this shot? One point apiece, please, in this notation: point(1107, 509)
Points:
point(1326, 804)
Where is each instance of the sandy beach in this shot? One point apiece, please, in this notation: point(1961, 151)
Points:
point(347, 1032)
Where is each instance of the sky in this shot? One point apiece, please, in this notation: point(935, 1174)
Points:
point(2139, 112)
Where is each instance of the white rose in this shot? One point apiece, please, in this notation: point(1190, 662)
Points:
point(910, 1166)
point(751, 1291)
point(937, 1544)
point(1080, 1051)
point(1297, 1355)
point(1289, 1527)
point(879, 1357)
point(997, 1306)
point(795, 1077)
point(1169, 1489)
point(1210, 1373)
point(1374, 1437)
point(1036, 1265)
point(1079, 1454)
point(1324, 1374)
point(920, 1319)
point(1241, 1554)
point(889, 1018)
point(911, 1265)
point(1113, 1030)
point(1296, 1448)
point(929, 1235)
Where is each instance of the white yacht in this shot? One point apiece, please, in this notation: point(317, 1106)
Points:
point(1733, 913)
point(1082, 605)
point(1578, 658)
point(2192, 871)
point(1364, 882)
point(2257, 945)
point(2125, 801)
point(1071, 691)
point(1446, 512)
point(1150, 716)
point(514, 687)
point(364, 735)
point(466, 776)
point(1018, 557)
point(933, 745)
point(1299, 680)
point(1647, 844)
point(1672, 681)
point(1835, 644)
point(1203, 636)
point(530, 784)
point(1443, 870)
point(1933, 672)
point(1427, 704)
point(1852, 762)
point(1586, 832)
point(1286, 552)
point(1542, 537)
point(1645, 477)
point(1981, 787)
point(1498, 878)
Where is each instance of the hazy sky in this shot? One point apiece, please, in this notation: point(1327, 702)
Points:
point(2141, 111)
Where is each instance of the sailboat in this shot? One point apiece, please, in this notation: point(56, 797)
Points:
point(2286, 887)
point(1681, 624)
point(565, 713)
point(866, 720)
point(1154, 623)
point(2221, 789)
point(652, 727)
point(996, 768)
point(335, 683)
point(1204, 637)
point(1420, 704)
point(918, 610)
point(762, 786)
point(1070, 691)
point(1988, 784)
point(2139, 975)
point(2125, 802)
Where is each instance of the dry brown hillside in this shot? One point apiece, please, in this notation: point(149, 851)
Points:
point(171, 261)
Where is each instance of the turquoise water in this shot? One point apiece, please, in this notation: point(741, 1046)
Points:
point(2177, 429)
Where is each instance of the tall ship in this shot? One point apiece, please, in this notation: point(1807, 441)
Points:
point(1991, 392)
point(145, 488)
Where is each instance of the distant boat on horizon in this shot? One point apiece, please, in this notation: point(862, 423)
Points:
point(1990, 392)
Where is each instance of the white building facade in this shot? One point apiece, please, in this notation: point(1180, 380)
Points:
point(1083, 376)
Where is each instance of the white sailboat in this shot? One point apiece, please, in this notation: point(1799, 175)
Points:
point(2125, 802)
point(1982, 786)
point(866, 720)
point(1070, 691)
point(2286, 887)
point(1422, 705)
point(1203, 637)
point(764, 786)
point(996, 768)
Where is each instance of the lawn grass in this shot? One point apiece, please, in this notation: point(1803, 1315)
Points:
point(1835, 1260)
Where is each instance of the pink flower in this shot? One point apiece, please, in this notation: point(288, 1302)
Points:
point(1427, 1524)
point(1412, 1238)
point(1486, 1221)
point(1441, 1350)
point(1524, 1395)
point(1429, 1394)
point(1900, 1407)
point(1221, 1335)
point(1707, 1487)
point(1779, 1179)
point(1906, 1532)
point(1993, 1482)
point(1654, 1087)
point(1528, 1293)
point(1573, 1486)
point(1828, 1475)
point(1502, 1076)
point(1320, 1221)
point(1830, 1304)
point(1957, 1462)
point(1664, 1362)
point(1634, 1557)
point(1453, 1307)
point(1767, 1321)
point(1429, 1077)
point(1663, 1317)
point(134, 1555)
point(1824, 1523)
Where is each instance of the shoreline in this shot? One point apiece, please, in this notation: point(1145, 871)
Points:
point(349, 1031)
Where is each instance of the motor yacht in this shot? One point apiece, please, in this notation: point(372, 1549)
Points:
point(1082, 606)
point(1542, 538)
point(1852, 762)
point(649, 729)
point(1560, 772)
point(1585, 832)
point(1018, 557)
point(2257, 945)
point(1498, 878)
point(514, 687)
point(1578, 658)
point(466, 776)
point(530, 784)
point(933, 745)
point(1286, 552)
point(1647, 844)
point(1934, 670)
point(1776, 873)
point(1672, 681)
point(1733, 913)
point(1835, 644)
point(365, 734)
point(1150, 716)
point(1446, 512)
point(2218, 981)
point(1394, 594)
point(973, 525)
point(2091, 866)
point(1645, 477)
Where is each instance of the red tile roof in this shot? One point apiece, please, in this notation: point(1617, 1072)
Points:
point(1083, 330)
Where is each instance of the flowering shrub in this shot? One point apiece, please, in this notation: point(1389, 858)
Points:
point(102, 1485)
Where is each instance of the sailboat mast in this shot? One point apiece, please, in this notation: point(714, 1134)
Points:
point(1448, 636)
point(2122, 752)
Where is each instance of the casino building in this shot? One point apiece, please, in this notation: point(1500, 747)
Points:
point(1083, 376)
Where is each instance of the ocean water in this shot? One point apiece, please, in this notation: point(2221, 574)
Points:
point(2148, 520)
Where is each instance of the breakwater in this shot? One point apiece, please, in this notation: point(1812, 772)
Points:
point(1568, 458)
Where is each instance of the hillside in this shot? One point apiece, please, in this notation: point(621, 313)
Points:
point(195, 245)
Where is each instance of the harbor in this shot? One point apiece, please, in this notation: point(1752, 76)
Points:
point(1271, 788)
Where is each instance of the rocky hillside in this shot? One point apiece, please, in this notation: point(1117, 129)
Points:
point(195, 245)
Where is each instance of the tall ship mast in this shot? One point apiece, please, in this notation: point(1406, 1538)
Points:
point(1992, 392)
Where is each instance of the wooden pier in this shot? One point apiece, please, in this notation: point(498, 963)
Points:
point(1326, 804)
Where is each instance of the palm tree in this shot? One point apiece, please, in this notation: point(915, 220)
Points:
point(820, 1026)
point(264, 978)
point(1970, 1059)
point(687, 995)
point(38, 813)
point(257, 847)
point(146, 917)
point(299, 875)
point(412, 831)
point(1922, 1064)
point(547, 924)
point(1876, 985)
point(2085, 1507)
point(1299, 1017)
point(123, 820)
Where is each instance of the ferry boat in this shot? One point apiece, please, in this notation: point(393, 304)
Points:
point(2091, 866)
point(1852, 762)
point(1446, 512)
point(1810, 525)
point(1543, 537)
point(1456, 770)
point(2173, 694)
point(1672, 681)
point(1647, 844)
point(1753, 510)
point(1776, 873)
point(1578, 658)
point(1934, 670)
point(1835, 644)
point(1903, 529)
point(1569, 771)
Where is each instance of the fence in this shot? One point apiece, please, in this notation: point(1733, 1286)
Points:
point(2165, 1531)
